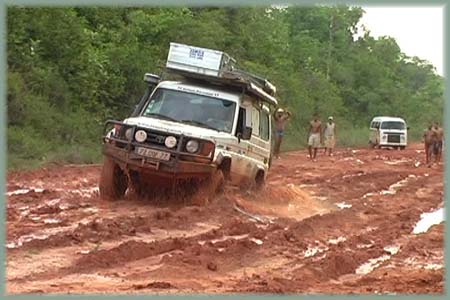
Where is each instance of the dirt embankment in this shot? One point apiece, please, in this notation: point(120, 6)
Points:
point(343, 224)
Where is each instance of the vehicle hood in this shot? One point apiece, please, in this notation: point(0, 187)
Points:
point(176, 128)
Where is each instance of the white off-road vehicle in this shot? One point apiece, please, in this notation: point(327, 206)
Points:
point(212, 125)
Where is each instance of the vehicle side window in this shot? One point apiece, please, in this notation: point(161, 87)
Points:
point(264, 126)
point(255, 121)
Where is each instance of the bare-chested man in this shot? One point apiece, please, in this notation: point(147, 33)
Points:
point(439, 141)
point(281, 117)
point(429, 138)
point(315, 136)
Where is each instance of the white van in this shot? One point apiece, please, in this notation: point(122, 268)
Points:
point(212, 124)
point(388, 132)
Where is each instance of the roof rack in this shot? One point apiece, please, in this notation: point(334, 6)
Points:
point(219, 68)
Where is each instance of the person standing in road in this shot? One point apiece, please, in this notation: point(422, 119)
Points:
point(429, 139)
point(329, 134)
point(281, 117)
point(314, 136)
point(439, 141)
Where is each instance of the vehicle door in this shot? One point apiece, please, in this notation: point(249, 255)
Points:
point(259, 147)
point(374, 133)
point(239, 151)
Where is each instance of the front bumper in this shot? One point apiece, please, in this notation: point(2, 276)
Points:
point(385, 144)
point(181, 165)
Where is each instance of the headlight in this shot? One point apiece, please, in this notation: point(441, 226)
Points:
point(170, 141)
point(140, 136)
point(128, 133)
point(192, 146)
point(384, 137)
point(402, 137)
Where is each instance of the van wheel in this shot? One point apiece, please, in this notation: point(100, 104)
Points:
point(113, 181)
point(402, 147)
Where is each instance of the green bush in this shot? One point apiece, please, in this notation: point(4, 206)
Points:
point(70, 69)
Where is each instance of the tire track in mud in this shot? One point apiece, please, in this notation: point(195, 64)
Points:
point(359, 204)
point(327, 262)
point(186, 246)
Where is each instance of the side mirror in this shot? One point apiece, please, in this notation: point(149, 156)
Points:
point(246, 133)
point(152, 79)
point(407, 128)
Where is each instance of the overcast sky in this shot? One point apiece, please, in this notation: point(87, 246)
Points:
point(419, 31)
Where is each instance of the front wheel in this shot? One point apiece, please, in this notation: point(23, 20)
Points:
point(209, 188)
point(113, 181)
point(259, 180)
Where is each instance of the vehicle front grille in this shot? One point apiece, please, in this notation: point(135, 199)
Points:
point(393, 138)
point(155, 138)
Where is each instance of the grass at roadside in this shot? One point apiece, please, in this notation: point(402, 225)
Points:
point(62, 155)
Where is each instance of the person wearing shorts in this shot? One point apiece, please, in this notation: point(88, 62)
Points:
point(281, 117)
point(330, 135)
point(315, 137)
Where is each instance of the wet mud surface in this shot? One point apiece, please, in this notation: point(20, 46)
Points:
point(343, 224)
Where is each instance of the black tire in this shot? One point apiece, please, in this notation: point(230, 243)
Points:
point(113, 181)
point(218, 182)
point(259, 180)
point(209, 188)
point(402, 147)
point(136, 185)
point(225, 166)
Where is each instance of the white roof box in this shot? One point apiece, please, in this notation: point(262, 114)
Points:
point(217, 66)
point(198, 60)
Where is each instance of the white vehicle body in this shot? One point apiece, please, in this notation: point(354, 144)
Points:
point(388, 132)
point(212, 125)
point(247, 157)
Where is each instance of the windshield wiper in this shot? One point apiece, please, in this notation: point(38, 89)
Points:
point(160, 116)
point(199, 124)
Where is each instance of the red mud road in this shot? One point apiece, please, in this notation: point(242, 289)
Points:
point(343, 224)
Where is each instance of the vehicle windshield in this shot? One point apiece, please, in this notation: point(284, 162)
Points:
point(393, 125)
point(193, 109)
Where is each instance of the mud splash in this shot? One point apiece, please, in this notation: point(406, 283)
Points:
point(289, 201)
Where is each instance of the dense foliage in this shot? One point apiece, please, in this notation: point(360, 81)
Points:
point(69, 69)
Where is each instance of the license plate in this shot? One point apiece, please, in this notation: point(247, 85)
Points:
point(160, 155)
